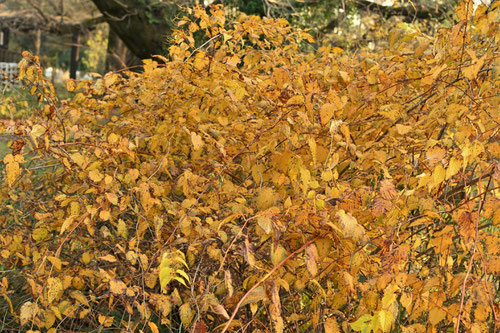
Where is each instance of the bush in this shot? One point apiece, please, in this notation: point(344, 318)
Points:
point(244, 184)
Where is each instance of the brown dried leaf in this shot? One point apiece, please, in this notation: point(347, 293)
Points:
point(350, 226)
point(381, 206)
point(312, 259)
point(117, 287)
point(228, 281)
point(388, 190)
point(220, 310)
point(331, 325)
point(248, 253)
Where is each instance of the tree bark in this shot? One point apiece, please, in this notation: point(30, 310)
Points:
point(143, 29)
point(38, 41)
point(75, 52)
point(118, 56)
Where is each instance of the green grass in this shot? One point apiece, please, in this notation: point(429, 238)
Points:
point(4, 148)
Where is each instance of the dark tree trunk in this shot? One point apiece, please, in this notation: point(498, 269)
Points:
point(143, 28)
point(75, 52)
point(118, 56)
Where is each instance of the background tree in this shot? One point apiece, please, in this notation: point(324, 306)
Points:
point(57, 23)
point(152, 18)
point(336, 20)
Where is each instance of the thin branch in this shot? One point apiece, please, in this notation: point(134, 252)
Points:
point(39, 10)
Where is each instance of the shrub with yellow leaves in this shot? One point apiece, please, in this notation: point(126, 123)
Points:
point(240, 183)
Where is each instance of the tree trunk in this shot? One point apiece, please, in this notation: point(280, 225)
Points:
point(38, 41)
point(75, 52)
point(118, 56)
point(143, 28)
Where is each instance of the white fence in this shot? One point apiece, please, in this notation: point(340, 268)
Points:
point(8, 73)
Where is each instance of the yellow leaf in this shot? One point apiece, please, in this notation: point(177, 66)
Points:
point(40, 234)
point(305, 176)
point(438, 175)
point(350, 226)
point(121, 229)
point(108, 257)
point(464, 10)
point(54, 289)
point(363, 324)
point(50, 319)
point(113, 138)
point(95, 176)
point(60, 197)
point(223, 121)
point(197, 141)
point(80, 297)
point(266, 198)
point(249, 256)
point(71, 85)
point(67, 222)
point(233, 60)
point(78, 159)
point(37, 131)
point(331, 325)
point(56, 262)
point(296, 100)
point(133, 174)
point(265, 223)
point(327, 175)
point(86, 258)
point(436, 314)
point(258, 294)
point(105, 215)
point(112, 198)
point(403, 129)
point(313, 147)
point(28, 311)
point(385, 319)
point(105, 321)
point(117, 287)
point(166, 275)
point(109, 79)
point(186, 314)
point(453, 168)
point(344, 76)
point(13, 172)
point(326, 113)
point(278, 254)
point(388, 299)
point(153, 327)
point(78, 283)
point(344, 129)
point(406, 301)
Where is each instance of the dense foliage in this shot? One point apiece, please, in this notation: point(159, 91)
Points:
point(242, 184)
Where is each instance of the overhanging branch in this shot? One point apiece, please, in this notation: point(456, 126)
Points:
point(409, 11)
point(29, 23)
